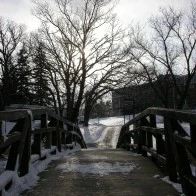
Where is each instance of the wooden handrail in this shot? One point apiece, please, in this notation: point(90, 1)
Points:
point(170, 113)
point(172, 146)
point(52, 132)
point(13, 115)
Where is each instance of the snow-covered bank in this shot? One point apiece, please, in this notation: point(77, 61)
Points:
point(103, 132)
point(177, 186)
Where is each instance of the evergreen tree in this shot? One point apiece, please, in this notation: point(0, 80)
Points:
point(22, 77)
point(8, 87)
point(41, 84)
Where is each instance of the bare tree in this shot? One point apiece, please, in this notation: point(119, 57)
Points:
point(100, 84)
point(81, 40)
point(167, 54)
point(11, 35)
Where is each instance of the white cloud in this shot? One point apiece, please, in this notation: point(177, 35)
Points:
point(141, 10)
point(19, 11)
point(127, 10)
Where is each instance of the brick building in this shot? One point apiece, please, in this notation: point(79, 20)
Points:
point(137, 98)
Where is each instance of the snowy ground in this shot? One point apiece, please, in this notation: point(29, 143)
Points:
point(101, 136)
point(111, 121)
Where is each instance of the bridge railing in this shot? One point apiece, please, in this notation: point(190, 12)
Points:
point(25, 144)
point(172, 142)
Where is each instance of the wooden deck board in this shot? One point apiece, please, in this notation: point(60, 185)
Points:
point(139, 181)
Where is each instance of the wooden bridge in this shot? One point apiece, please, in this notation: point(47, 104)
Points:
point(171, 146)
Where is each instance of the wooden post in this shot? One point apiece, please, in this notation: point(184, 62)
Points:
point(160, 144)
point(58, 136)
point(128, 139)
point(120, 139)
point(13, 153)
point(68, 136)
point(170, 160)
point(36, 146)
point(0, 130)
point(181, 159)
point(143, 142)
point(160, 147)
point(183, 166)
point(124, 138)
point(63, 134)
point(193, 133)
point(12, 158)
point(137, 138)
point(143, 135)
point(25, 148)
point(149, 134)
point(53, 123)
point(44, 124)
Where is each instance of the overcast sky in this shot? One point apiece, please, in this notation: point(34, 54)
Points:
point(127, 10)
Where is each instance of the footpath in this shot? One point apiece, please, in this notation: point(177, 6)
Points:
point(96, 171)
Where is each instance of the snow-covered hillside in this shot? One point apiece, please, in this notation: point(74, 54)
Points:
point(103, 132)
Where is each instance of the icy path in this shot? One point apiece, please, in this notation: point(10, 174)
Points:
point(102, 169)
point(101, 172)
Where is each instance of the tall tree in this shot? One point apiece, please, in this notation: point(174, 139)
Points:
point(101, 84)
point(41, 83)
point(167, 54)
point(81, 39)
point(21, 76)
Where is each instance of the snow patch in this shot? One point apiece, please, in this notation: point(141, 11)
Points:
point(156, 176)
point(177, 186)
point(100, 168)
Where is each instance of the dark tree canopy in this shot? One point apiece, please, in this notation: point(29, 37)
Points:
point(11, 36)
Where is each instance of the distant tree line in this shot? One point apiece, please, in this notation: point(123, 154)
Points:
point(81, 52)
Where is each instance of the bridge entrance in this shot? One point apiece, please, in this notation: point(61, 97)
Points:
point(109, 164)
point(102, 170)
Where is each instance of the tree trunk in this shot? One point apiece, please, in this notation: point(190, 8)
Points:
point(6, 89)
point(87, 112)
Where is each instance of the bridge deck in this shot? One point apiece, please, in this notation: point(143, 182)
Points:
point(97, 172)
